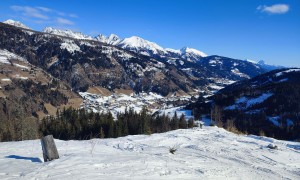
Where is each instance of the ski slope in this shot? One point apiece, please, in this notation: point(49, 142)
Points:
point(208, 153)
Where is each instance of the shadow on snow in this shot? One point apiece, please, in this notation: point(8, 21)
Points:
point(32, 159)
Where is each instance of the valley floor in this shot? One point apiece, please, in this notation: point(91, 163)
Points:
point(208, 153)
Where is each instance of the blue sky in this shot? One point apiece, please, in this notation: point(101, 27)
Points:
point(245, 29)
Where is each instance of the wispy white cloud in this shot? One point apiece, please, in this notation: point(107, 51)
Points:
point(73, 15)
point(45, 9)
point(44, 15)
point(274, 9)
point(30, 12)
point(61, 13)
point(63, 21)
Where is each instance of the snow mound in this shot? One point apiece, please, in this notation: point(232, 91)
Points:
point(208, 153)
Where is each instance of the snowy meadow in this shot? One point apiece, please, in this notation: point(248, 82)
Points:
point(209, 153)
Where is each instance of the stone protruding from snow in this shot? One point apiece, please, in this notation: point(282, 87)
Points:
point(49, 148)
point(16, 23)
point(272, 146)
point(208, 153)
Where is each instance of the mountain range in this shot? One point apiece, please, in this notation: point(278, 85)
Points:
point(68, 62)
point(188, 70)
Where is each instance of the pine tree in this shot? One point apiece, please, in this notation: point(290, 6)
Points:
point(101, 134)
point(182, 122)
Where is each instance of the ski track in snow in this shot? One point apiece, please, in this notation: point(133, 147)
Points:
point(208, 153)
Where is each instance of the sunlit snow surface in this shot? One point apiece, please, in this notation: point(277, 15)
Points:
point(245, 103)
point(287, 71)
point(70, 46)
point(6, 55)
point(15, 23)
point(208, 153)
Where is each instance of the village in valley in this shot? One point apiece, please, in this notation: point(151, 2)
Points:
point(119, 102)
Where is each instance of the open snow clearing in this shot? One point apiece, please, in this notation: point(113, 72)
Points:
point(209, 153)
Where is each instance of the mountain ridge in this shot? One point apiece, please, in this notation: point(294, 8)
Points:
point(189, 69)
point(139, 45)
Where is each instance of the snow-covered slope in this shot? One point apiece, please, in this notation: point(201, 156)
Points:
point(142, 46)
point(16, 23)
point(208, 153)
point(112, 39)
point(6, 56)
point(191, 54)
point(134, 43)
point(67, 33)
point(148, 48)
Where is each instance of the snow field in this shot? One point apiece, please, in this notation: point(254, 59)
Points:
point(209, 153)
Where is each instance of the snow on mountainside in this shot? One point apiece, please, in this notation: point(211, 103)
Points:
point(155, 73)
point(208, 153)
point(141, 45)
point(148, 48)
point(112, 39)
point(15, 23)
point(135, 44)
point(5, 56)
point(252, 104)
point(67, 33)
point(191, 54)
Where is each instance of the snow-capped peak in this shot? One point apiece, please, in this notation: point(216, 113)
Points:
point(101, 38)
point(139, 44)
point(191, 54)
point(67, 33)
point(16, 23)
point(191, 51)
point(112, 39)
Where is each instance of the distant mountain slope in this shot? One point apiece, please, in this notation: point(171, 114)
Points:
point(82, 62)
point(145, 47)
point(28, 93)
point(268, 67)
point(16, 23)
point(267, 104)
point(67, 33)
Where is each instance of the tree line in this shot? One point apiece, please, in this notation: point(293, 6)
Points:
point(79, 124)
